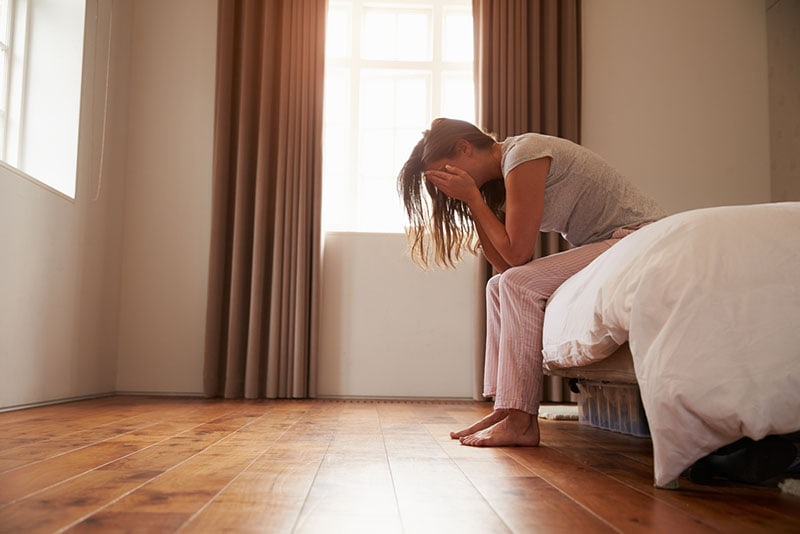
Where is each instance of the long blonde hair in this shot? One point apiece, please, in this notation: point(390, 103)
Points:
point(436, 217)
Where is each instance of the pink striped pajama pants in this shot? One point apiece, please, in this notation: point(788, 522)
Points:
point(515, 303)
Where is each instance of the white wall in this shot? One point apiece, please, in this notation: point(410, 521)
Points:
point(675, 96)
point(60, 259)
point(783, 41)
point(167, 196)
point(390, 329)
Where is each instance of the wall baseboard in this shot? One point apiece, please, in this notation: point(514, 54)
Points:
point(390, 399)
point(66, 400)
point(193, 394)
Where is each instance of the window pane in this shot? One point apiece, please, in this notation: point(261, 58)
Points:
point(383, 95)
point(336, 165)
point(44, 84)
point(458, 96)
point(414, 36)
point(379, 208)
point(5, 15)
point(376, 151)
point(394, 98)
point(376, 100)
point(457, 41)
point(396, 35)
point(337, 33)
point(378, 37)
point(405, 141)
point(337, 96)
point(413, 100)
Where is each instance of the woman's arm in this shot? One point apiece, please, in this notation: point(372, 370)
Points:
point(492, 256)
point(513, 242)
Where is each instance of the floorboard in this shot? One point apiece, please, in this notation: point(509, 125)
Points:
point(197, 465)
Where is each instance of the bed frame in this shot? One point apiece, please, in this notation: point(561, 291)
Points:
point(608, 394)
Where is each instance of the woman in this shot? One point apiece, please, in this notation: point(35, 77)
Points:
point(496, 197)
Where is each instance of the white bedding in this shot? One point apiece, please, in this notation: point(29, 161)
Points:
point(710, 303)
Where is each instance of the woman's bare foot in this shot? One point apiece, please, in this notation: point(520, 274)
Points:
point(518, 428)
point(486, 422)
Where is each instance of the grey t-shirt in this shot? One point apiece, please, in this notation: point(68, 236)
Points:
point(585, 199)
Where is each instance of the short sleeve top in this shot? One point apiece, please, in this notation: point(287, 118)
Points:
point(585, 198)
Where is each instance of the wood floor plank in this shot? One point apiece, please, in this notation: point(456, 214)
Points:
point(350, 495)
point(174, 496)
point(70, 410)
point(36, 476)
point(39, 428)
point(530, 504)
point(742, 508)
point(211, 456)
point(433, 493)
point(592, 489)
point(352, 490)
point(20, 482)
point(43, 449)
point(435, 496)
point(116, 453)
point(199, 465)
point(62, 505)
point(526, 502)
point(269, 494)
point(95, 489)
point(58, 419)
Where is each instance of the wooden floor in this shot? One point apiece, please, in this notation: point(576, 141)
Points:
point(166, 464)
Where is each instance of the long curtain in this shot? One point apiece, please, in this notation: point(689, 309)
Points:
point(265, 241)
point(527, 77)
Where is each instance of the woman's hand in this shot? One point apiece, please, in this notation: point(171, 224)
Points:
point(455, 183)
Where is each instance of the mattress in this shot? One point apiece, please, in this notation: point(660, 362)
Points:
point(617, 368)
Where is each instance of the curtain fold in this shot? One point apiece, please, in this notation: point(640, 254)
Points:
point(527, 66)
point(262, 316)
point(527, 79)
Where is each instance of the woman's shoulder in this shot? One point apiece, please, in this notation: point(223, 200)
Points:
point(521, 148)
point(532, 141)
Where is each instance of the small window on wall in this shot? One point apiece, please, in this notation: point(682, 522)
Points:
point(41, 58)
point(391, 67)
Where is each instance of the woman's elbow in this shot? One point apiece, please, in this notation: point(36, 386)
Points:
point(520, 258)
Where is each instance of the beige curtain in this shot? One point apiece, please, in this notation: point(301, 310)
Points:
point(527, 77)
point(265, 242)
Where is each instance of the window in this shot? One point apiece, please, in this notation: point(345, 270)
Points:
point(391, 67)
point(41, 59)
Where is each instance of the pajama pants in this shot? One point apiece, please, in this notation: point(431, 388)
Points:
point(515, 302)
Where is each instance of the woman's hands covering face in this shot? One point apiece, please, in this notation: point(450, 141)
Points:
point(454, 182)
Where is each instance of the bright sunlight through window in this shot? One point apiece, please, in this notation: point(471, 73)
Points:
point(391, 67)
point(41, 69)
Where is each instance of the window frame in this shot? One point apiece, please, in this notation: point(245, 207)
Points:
point(41, 108)
point(13, 78)
point(351, 181)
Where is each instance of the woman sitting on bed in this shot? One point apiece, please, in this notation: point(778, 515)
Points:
point(496, 197)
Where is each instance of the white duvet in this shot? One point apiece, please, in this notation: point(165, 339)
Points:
point(710, 303)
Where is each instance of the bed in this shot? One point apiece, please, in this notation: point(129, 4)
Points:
point(708, 302)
